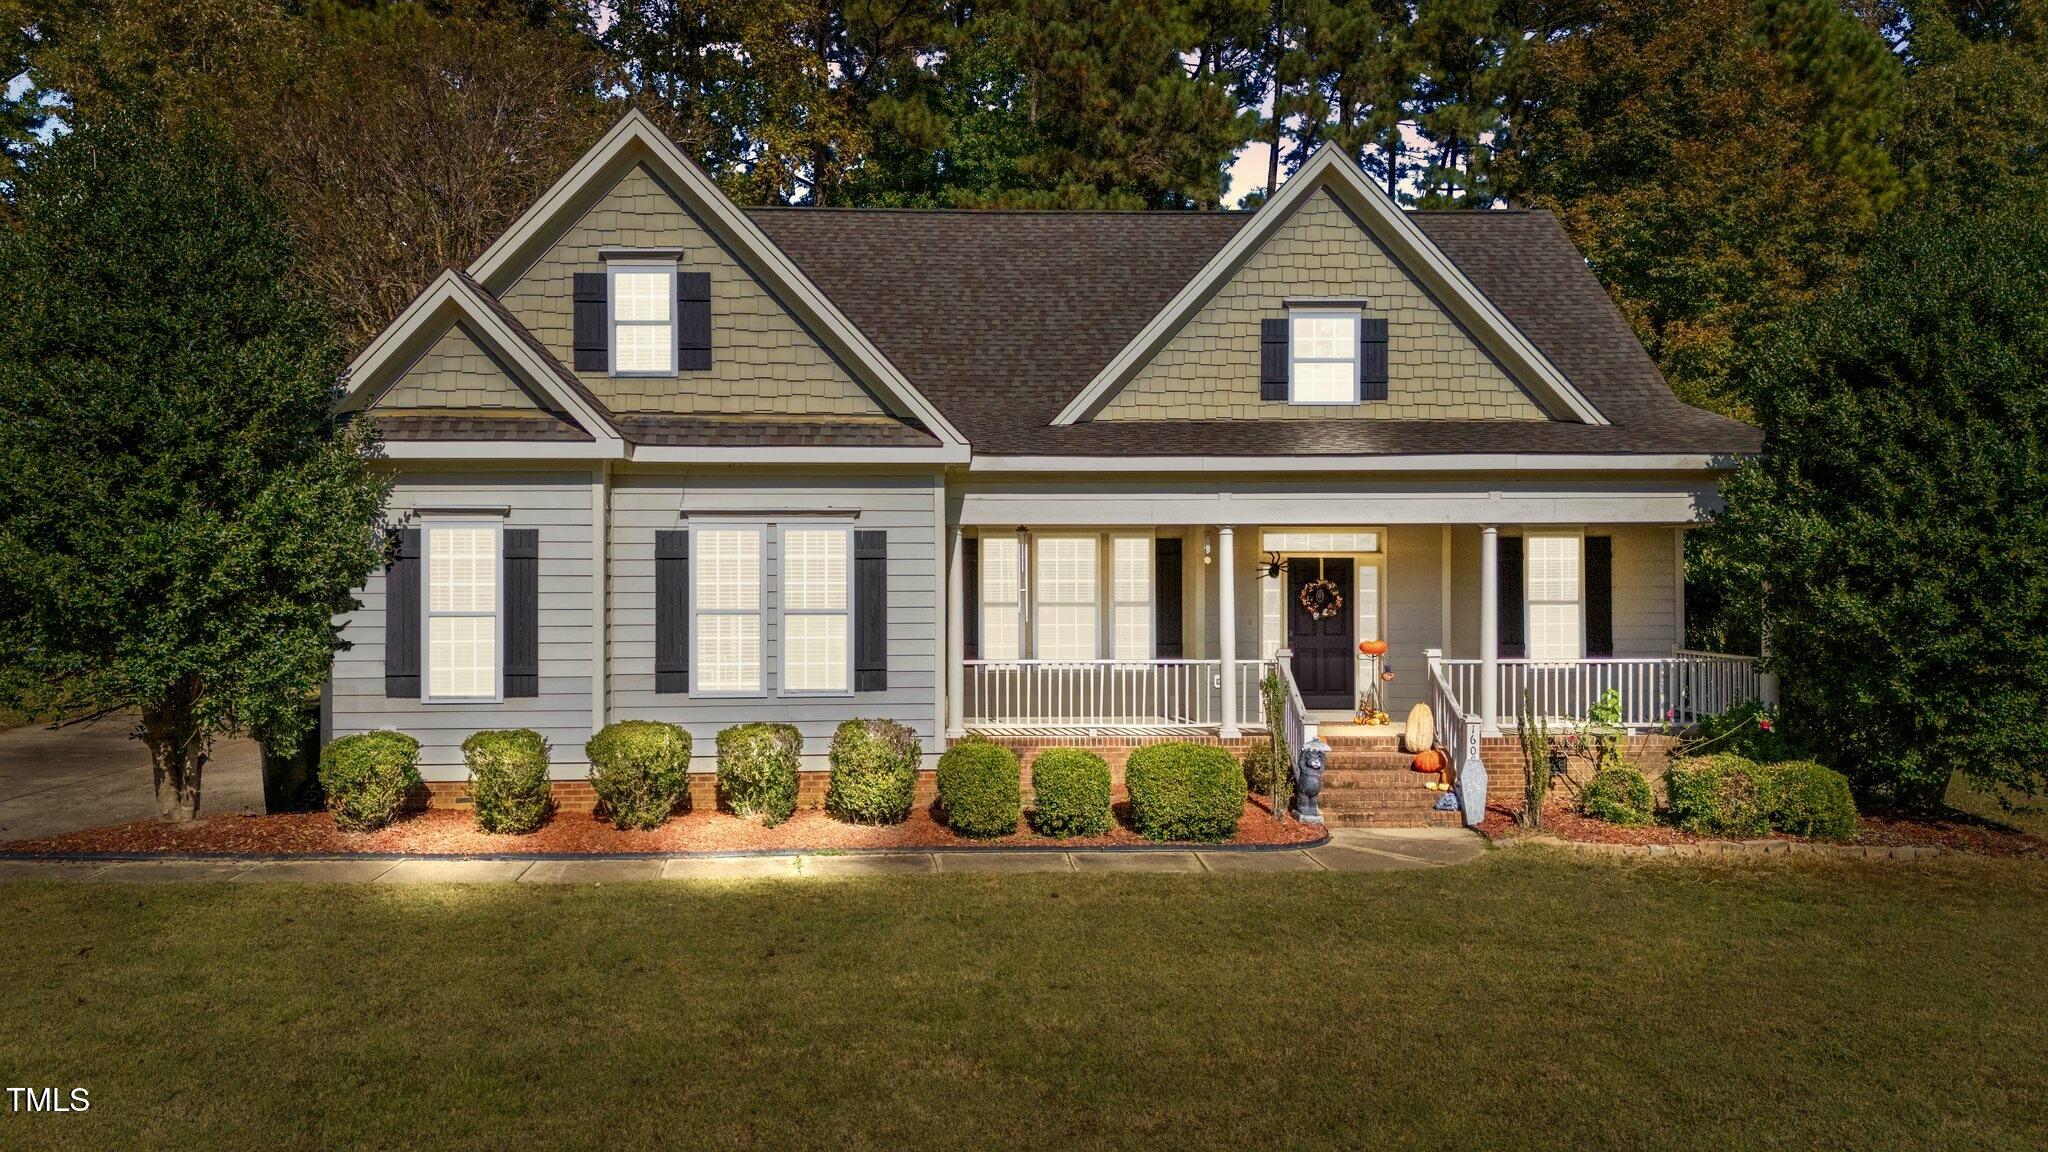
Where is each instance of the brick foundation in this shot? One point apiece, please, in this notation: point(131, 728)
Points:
point(1507, 776)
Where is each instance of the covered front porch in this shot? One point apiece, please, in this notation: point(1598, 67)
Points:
point(1168, 630)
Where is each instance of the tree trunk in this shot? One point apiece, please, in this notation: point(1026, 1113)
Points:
point(178, 749)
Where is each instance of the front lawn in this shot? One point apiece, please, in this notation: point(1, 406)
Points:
point(1529, 1000)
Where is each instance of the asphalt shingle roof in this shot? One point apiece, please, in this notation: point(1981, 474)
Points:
point(1001, 318)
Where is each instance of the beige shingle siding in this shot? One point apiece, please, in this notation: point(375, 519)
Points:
point(1210, 369)
point(762, 360)
point(455, 373)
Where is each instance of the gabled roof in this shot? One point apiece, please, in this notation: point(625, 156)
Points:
point(635, 140)
point(1051, 297)
point(455, 298)
point(1330, 168)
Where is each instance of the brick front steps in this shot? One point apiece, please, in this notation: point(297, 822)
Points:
point(1369, 782)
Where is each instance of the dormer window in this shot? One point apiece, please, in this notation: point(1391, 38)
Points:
point(1322, 356)
point(643, 325)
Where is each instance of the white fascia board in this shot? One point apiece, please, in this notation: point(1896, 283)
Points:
point(451, 292)
point(644, 454)
point(1330, 168)
point(1443, 462)
point(497, 451)
point(734, 227)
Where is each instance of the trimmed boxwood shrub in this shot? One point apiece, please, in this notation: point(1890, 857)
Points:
point(1619, 795)
point(1070, 793)
point(1807, 799)
point(874, 771)
point(980, 788)
point(367, 778)
point(1723, 794)
point(757, 770)
point(1185, 791)
point(639, 770)
point(508, 779)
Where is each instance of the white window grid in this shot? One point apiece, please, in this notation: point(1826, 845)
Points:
point(817, 622)
point(1553, 567)
point(726, 594)
point(641, 298)
point(1066, 604)
point(1131, 597)
point(463, 578)
point(1322, 351)
point(1002, 598)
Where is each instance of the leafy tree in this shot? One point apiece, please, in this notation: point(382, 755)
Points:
point(1894, 536)
point(1974, 123)
point(180, 520)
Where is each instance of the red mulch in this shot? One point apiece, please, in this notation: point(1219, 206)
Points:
point(1952, 831)
point(446, 832)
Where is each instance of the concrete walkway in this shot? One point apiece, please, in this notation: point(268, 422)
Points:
point(1349, 850)
point(89, 775)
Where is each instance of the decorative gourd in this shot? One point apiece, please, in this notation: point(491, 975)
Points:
point(1421, 730)
point(1431, 761)
point(1372, 647)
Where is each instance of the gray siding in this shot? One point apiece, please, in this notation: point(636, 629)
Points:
point(903, 506)
point(557, 504)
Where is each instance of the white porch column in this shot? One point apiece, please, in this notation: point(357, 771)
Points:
point(1489, 629)
point(600, 579)
point(1226, 625)
point(956, 637)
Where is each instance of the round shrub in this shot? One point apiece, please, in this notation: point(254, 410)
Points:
point(1070, 793)
point(1619, 795)
point(1185, 792)
point(1807, 799)
point(639, 770)
point(757, 767)
point(508, 779)
point(1722, 794)
point(874, 771)
point(1258, 770)
point(980, 788)
point(367, 778)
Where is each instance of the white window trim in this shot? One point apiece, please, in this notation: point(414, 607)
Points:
point(1273, 593)
point(428, 525)
point(612, 322)
point(1325, 312)
point(783, 612)
point(1107, 599)
point(982, 604)
point(759, 611)
point(1031, 605)
point(1529, 601)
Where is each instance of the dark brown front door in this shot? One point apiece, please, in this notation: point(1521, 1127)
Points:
point(1323, 665)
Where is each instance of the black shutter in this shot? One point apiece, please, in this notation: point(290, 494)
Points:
point(522, 612)
point(970, 573)
point(592, 343)
point(870, 611)
point(693, 321)
point(672, 611)
point(1513, 645)
point(402, 619)
point(1273, 359)
point(1372, 358)
point(1166, 553)
point(1599, 595)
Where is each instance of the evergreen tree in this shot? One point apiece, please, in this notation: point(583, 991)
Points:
point(180, 520)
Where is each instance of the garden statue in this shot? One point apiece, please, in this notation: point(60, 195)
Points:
point(1308, 782)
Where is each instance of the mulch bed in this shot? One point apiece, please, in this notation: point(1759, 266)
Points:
point(446, 832)
point(1952, 831)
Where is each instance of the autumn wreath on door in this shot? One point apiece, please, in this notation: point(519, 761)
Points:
point(1320, 597)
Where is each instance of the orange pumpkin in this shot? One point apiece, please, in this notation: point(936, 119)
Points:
point(1372, 647)
point(1430, 760)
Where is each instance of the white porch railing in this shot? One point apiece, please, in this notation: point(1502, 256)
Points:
point(1108, 693)
point(1654, 690)
point(1297, 725)
point(1457, 734)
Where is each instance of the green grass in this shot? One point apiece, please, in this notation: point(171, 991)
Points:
point(1985, 803)
point(1530, 1000)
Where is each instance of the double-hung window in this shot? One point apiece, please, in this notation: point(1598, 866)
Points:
point(464, 636)
point(1001, 599)
point(1556, 629)
point(725, 599)
point(816, 630)
point(1065, 609)
point(1322, 347)
point(1131, 597)
point(643, 318)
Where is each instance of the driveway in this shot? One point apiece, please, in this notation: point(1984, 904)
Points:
point(87, 775)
